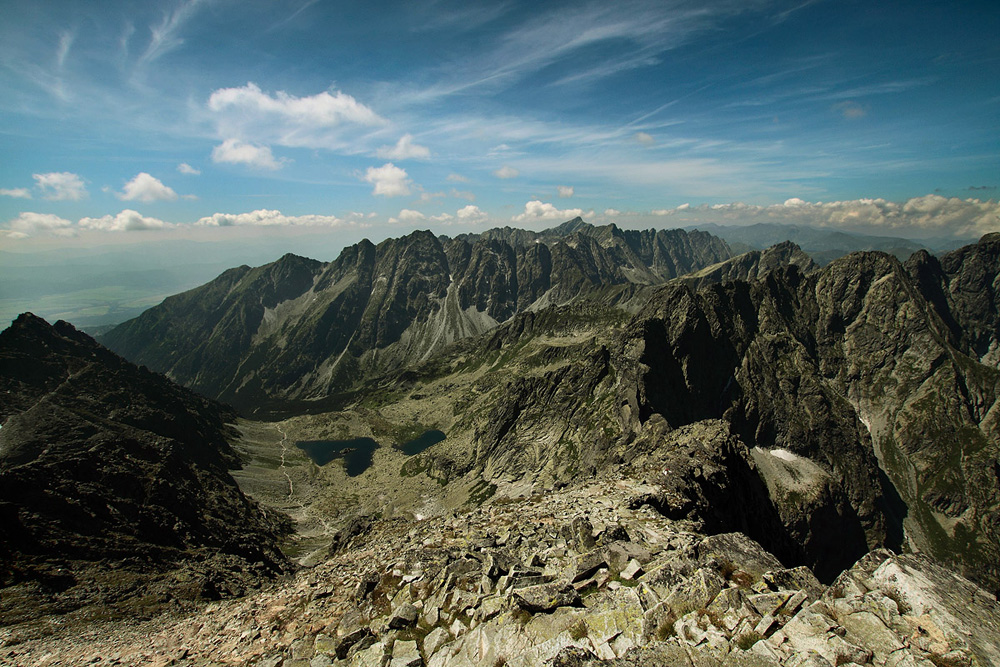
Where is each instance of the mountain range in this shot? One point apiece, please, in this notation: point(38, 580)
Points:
point(823, 412)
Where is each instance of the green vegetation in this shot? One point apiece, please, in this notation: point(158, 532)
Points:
point(745, 641)
point(480, 492)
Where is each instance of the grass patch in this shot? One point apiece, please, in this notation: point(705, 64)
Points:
point(748, 639)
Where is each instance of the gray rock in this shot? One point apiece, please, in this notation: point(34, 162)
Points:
point(404, 616)
point(405, 654)
point(546, 597)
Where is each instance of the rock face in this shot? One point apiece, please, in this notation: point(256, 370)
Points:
point(114, 487)
point(860, 406)
point(302, 329)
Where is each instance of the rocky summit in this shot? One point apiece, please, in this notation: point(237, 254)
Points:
point(583, 576)
point(571, 447)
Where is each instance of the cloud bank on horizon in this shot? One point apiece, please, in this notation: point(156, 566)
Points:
point(213, 113)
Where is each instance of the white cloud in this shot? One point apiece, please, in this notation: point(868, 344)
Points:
point(146, 188)
point(408, 215)
point(442, 217)
point(60, 186)
point(430, 196)
point(850, 109)
point(506, 172)
point(28, 224)
point(565, 191)
point(185, 168)
point(235, 151)
point(644, 138)
point(470, 213)
point(537, 210)
point(403, 150)
point(919, 216)
point(17, 193)
point(612, 212)
point(126, 221)
point(315, 121)
point(389, 180)
point(456, 178)
point(463, 194)
point(269, 218)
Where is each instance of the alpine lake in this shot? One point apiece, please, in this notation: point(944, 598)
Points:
point(357, 452)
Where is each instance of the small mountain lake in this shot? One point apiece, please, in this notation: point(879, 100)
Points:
point(422, 442)
point(356, 452)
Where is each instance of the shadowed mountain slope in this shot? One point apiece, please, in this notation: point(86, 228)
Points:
point(113, 483)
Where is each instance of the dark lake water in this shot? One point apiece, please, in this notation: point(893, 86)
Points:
point(418, 445)
point(356, 452)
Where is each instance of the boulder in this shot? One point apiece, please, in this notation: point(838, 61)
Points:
point(547, 597)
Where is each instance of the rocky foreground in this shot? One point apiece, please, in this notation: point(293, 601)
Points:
point(586, 575)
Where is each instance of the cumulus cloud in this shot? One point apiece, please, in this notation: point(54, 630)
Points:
point(315, 121)
point(470, 213)
point(403, 150)
point(269, 218)
point(506, 172)
point(126, 221)
point(644, 138)
point(408, 215)
point(146, 188)
point(60, 186)
point(17, 193)
point(29, 224)
point(919, 216)
point(565, 191)
point(389, 180)
point(456, 178)
point(185, 168)
point(612, 211)
point(234, 151)
point(537, 210)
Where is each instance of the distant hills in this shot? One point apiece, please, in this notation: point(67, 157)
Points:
point(824, 245)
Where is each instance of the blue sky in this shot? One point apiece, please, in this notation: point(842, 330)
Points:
point(212, 118)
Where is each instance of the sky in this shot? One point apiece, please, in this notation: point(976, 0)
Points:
point(127, 122)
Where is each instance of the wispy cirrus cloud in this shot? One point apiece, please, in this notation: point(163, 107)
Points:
point(165, 36)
